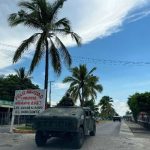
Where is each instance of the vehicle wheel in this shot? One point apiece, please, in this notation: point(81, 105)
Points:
point(78, 138)
point(92, 133)
point(40, 139)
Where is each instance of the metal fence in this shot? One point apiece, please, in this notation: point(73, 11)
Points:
point(5, 119)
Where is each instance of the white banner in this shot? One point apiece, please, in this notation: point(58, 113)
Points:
point(29, 102)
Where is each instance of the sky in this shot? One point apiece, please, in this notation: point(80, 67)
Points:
point(115, 39)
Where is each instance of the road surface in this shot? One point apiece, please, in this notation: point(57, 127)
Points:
point(108, 137)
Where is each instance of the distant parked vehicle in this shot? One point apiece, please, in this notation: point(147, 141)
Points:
point(117, 118)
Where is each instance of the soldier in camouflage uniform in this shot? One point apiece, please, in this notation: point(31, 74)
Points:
point(66, 101)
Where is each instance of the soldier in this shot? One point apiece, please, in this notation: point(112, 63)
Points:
point(66, 101)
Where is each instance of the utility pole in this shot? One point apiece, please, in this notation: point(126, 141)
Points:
point(50, 91)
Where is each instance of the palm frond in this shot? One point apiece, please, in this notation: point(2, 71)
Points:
point(91, 71)
point(64, 52)
point(55, 8)
point(74, 92)
point(28, 5)
point(43, 10)
point(75, 73)
point(22, 74)
point(55, 58)
point(99, 88)
point(65, 23)
point(68, 79)
point(24, 46)
point(38, 53)
point(76, 37)
point(15, 20)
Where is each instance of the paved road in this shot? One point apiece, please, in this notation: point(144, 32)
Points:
point(4, 129)
point(107, 138)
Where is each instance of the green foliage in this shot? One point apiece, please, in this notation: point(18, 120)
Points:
point(139, 102)
point(107, 110)
point(83, 84)
point(22, 75)
point(93, 106)
point(10, 83)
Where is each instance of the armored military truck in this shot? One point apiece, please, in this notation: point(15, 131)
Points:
point(72, 122)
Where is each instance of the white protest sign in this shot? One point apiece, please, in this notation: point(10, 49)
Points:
point(29, 102)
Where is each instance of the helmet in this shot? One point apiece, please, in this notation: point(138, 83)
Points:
point(67, 94)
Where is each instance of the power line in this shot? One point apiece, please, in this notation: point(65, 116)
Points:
point(82, 60)
point(108, 61)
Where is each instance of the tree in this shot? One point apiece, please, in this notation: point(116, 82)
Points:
point(133, 105)
point(23, 77)
point(9, 84)
point(139, 102)
point(22, 74)
point(105, 101)
point(83, 84)
point(91, 104)
point(43, 16)
point(107, 110)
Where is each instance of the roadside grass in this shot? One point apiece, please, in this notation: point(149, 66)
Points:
point(24, 127)
point(104, 121)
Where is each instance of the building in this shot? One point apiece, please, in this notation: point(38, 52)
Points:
point(5, 111)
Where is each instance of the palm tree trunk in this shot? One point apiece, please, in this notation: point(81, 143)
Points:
point(82, 98)
point(46, 71)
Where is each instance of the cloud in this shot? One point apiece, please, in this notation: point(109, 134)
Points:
point(7, 71)
point(98, 19)
point(138, 16)
point(121, 107)
point(91, 20)
point(61, 86)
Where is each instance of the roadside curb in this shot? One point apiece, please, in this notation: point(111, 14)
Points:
point(125, 130)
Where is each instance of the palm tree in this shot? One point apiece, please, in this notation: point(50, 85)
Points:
point(107, 110)
point(82, 84)
point(92, 87)
point(22, 74)
point(42, 16)
point(105, 101)
point(24, 79)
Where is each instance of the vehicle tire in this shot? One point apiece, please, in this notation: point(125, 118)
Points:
point(78, 138)
point(40, 139)
point(92, 133)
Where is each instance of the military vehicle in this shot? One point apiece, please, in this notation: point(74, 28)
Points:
point(73, 122)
